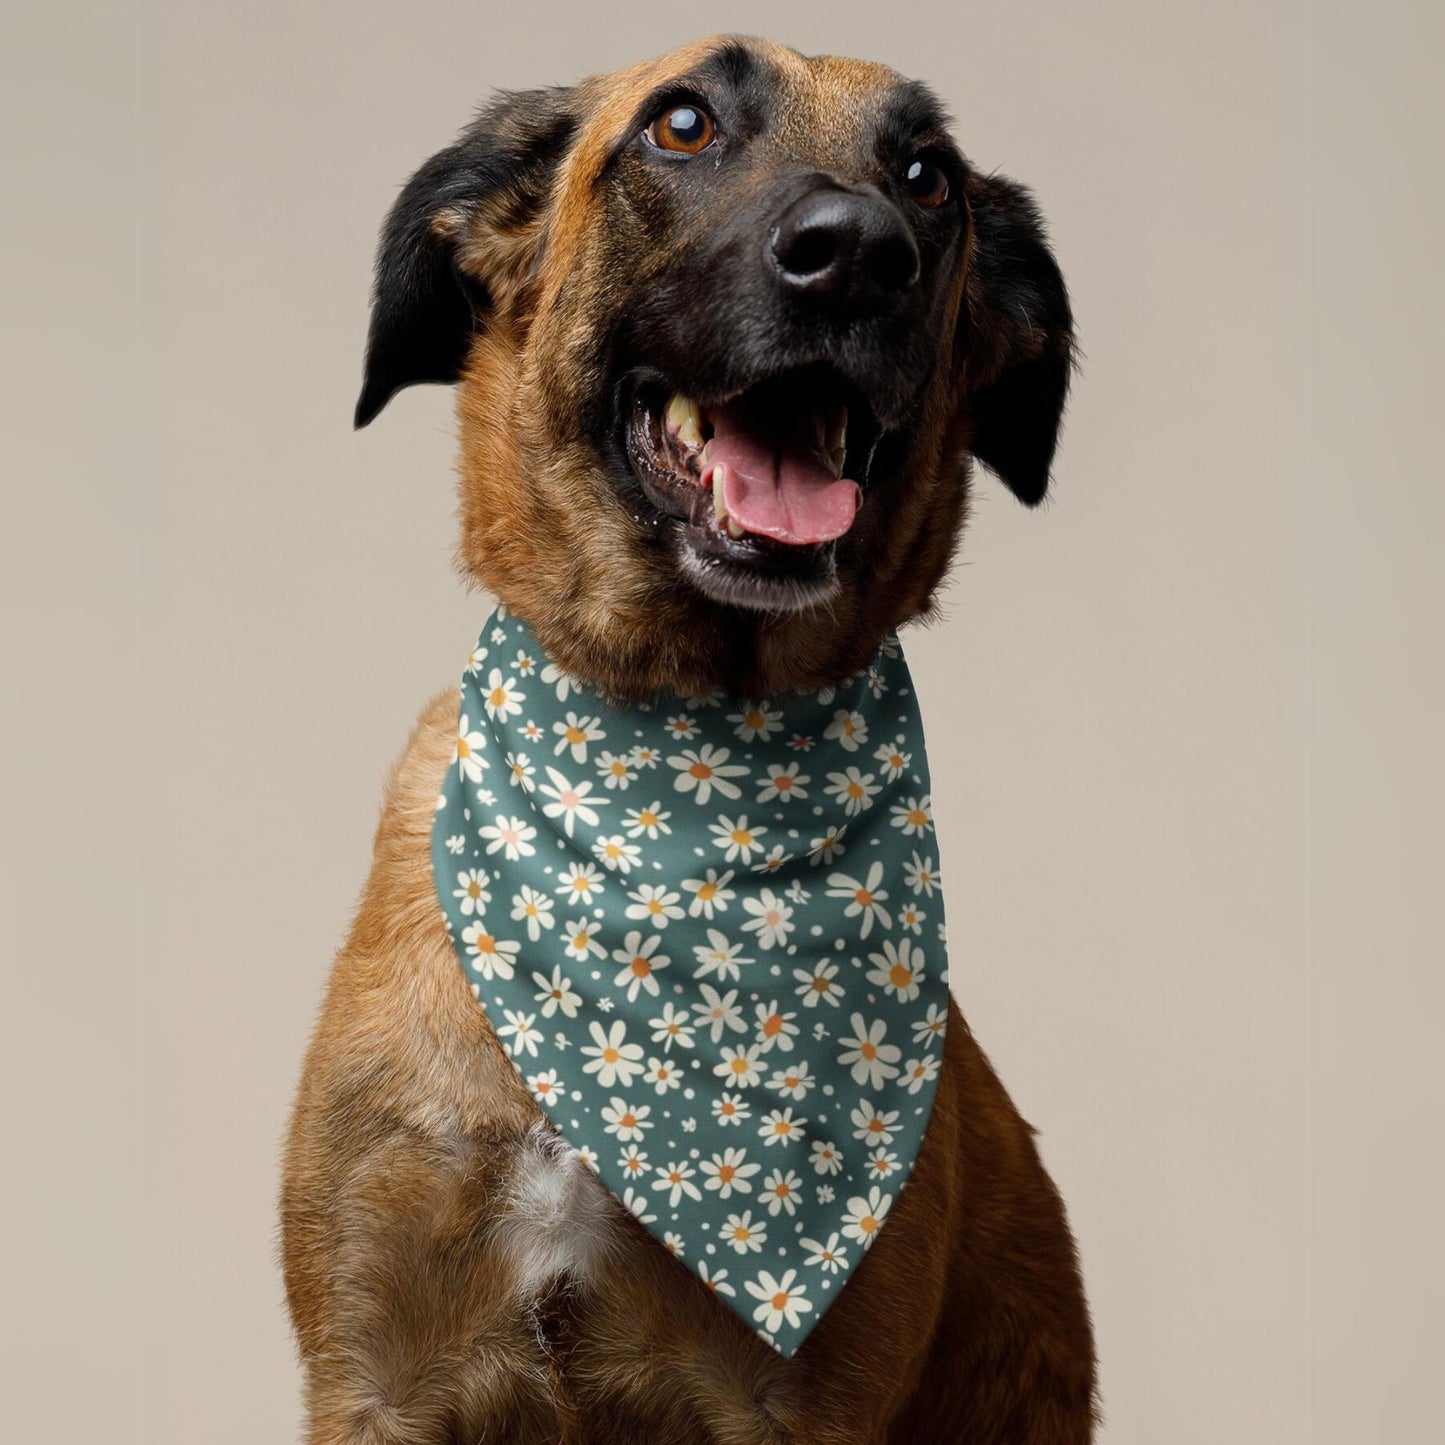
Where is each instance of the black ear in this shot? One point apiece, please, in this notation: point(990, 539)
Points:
point(425, 306)
point(1019, 337)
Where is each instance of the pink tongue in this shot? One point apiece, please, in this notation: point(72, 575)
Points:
point(780, 486)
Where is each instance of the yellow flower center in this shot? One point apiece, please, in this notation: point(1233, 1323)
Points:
point(610, 1055)
point(640, 967)
point(497, 696)
point(463, 751)
point(868, 1051)
point(741, 837)
point(780, 1300)
point(575, 735)
point(900, 975)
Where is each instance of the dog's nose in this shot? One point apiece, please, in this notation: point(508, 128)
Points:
point(845, 249)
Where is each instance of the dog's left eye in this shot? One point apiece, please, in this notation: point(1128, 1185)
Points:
point(925, 181)
point(684, 128)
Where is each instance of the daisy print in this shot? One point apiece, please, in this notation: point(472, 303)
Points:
point(524, 662)
point(546, 1088)
point(921, 875)
point(736, 838)
point(873, 1062)
point(585, 1154)
point(576, 734)
point(511, 837)
point(676, 1180)
point(913, 815)
point(715, 1280)
point(672, 1026)
point(624, 1121)
point(776, 1030)
point(655, 903)
point(532, 732)
point(615, 770)
point(740, 1234)
point(641, 964)
point(618, 854)
point(705, 771)
point(718, 1011)
point(783, 784)
point(873, 1125)
point(918, 1072)
point(729, 1172)
point(525, 1036)
point(682, 727)
point(855, 791)
point(471, 891)
point(756, 722)
point(489, 956)
point(898, 969)
point(830, 1257)
point(632, 1162)
point(911, 916)
point(475, 661)
point(738, 1064)
point(555, 994)
point(570, 801)
point(782, 1300)
point(562, 683)
point(520, 770)
point(895, 761)
point(731, 1109)
point(663, 1075)
point(672, 1243)
point(780, 1191)
point(779, 1127)
point(581, 883)
point(649, 822)
point(881, 1164)
point(581, 939)
point(848, 729)
point(533, 909)
point(469, 756)
point(801, 743)
point(644, 756)
point(502, 699)
point(612, 1058)
point(930, 1028)
point(456, 844)
point(718, 956)
point(635, 1202)
point(773, 860)
point(793, 1082)
point(865, 1216)
point(828, 848)
point(772, 919)
point(818, 986)
point(709, 892)
point(865, 899)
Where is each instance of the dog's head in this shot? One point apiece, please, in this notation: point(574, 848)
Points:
point(727, 326)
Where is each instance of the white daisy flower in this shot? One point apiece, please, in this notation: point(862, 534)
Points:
point(576, 733)
point(737, 840)
point(731, 1108)
point(618, 854)
point(649, 822)
point(911, 917)
point(456, 843)
point(930, 1028)
point(921, 875)
point(681, 727)
point(705, 770)
point(918, 1072)
point(829, 847)
point(819, 986)
point(719, 1011)
point(775, 1028)
point(772, 919)
point(503, 699)
point(626, 1121)
point(895, 761)
point(470, 759)
point(663, 1075)
point(520, 770)
point(614, 1060)
point(511, 837)
point(709, 892)
point(830, 1257)
point(635, 1202)
point(562, 683)
point(476, 659)
point(615, 770)
point(848, 729)
point(824, 1193)
point(779, 1127)
point(756, 721)
point(793, 1082)
point(780, 1191)
point(545, 1087)
point(570, 801)
point(586, 1155)
point(882, 1164)
point(783, 783)
point(729, 1171)
point(675, 1181)
point(739, 1065)
point(656, 903)
point(491, 957)
point(534, 909)
point(898, 970)
point(640, 964)
point(715, 1280)
point(632, 1162)
point(581, 939)
point(871, 1124)
point(644, 756)
point(522, 1027)
point(865, 1216)
point(865, 899)
point(719, 957)
point(740, 1233)
point(854, 790)
point(525, 663)
point(781, 1300)
point(672, 1243)
point(672, 1026)
point(913, 815)
point(555, 994)
point(581, 883)
point(873, 1062)
point(471, 889)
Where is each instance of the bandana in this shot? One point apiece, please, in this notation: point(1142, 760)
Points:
point(709, 934)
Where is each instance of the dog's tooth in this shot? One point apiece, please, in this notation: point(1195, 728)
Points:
point(684, 416)
point(835, 460)
point(838, 431)
point(719, 507)
point(735, 531)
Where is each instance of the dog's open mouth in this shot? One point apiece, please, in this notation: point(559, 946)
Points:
point(763, 484)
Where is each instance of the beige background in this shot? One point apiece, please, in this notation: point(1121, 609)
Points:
point(1186, 722)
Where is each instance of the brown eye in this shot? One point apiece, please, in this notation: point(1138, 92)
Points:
point(925, 181)
point(684, 128)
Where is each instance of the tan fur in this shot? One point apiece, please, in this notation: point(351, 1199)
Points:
point(431, 1299)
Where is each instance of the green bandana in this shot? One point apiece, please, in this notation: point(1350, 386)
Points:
point(709, 935)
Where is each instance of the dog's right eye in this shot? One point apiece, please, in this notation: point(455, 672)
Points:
point(686, 129)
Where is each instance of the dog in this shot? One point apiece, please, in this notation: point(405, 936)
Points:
point(602, 269)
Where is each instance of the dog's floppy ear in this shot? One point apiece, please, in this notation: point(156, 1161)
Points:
point(454, 235)
point(1019, 335)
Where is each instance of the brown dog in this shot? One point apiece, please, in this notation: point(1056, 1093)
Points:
point(592, 264)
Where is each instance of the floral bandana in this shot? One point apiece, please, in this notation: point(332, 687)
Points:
point(709, 935)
